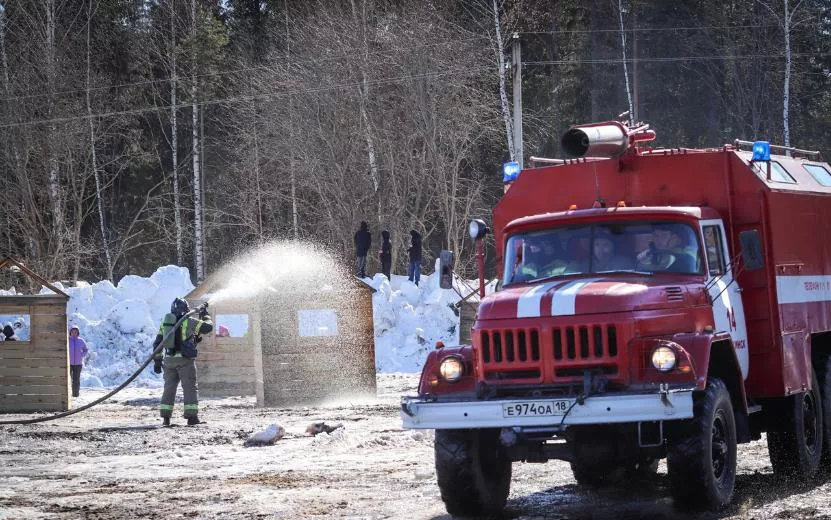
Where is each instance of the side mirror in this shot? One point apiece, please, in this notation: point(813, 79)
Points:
point(446, 259)
point(752, 250)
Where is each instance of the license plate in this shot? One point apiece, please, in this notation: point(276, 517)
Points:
point(537, 408)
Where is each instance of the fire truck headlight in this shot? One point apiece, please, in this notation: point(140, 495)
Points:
point(664, 359)
point(477, 229)
point(452, 369)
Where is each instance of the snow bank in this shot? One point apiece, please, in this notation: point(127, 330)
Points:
point(409, 319)
point(120, 322)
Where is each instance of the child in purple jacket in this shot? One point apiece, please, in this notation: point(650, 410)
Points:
point(77, 350)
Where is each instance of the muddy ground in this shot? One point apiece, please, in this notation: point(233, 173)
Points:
point(114, 461)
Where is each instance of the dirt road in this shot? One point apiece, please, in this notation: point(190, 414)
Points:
point(113, 461)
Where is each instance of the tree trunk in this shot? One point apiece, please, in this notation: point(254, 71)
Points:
point(291, 130)
point(174, 137)
point(363, 92)
point(3, 56)
point(197, 183)
point(94, 158)
point(503, 89)
point(56, 250)
point(786, 129)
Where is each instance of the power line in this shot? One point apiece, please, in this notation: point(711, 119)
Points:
point(641, 59)
point(651, 29)
point(240, 99)
point(184, 76)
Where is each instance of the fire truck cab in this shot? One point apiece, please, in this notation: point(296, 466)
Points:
point(653, 303)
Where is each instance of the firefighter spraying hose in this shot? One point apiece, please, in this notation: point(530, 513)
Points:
point(197, 311)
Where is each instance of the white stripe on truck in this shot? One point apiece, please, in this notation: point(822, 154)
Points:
point(565, 297)
point(803, 289)
point(528, 305)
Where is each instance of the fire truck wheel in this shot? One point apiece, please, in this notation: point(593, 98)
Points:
point(823, 369)
point(795, 434)
point(701, 459)
point(473, 470)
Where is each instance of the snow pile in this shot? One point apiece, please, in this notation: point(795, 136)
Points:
point(119, 323)
point(409, 319)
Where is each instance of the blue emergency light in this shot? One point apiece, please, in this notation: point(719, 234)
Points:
point(761, 151)
point(510, 171)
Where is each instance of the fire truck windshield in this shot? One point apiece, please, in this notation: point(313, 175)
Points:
point(644, 247)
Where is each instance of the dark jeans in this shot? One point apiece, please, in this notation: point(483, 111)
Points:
point(75, 372)
point(414, 272)
point(386, 266)
point(361, 264)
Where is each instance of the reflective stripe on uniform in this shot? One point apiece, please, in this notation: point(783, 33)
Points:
point(191, 407)
point(167, 407)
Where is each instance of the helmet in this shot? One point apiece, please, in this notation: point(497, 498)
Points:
point(179, 307)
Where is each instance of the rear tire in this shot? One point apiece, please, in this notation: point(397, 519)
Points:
point(795, 434)
point(701, 459)
point(473, 471)
point(823, 372)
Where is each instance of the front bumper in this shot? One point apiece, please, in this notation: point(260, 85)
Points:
point(603, 409)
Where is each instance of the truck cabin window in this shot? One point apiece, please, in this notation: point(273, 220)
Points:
point(714, 249)
point(634, 246)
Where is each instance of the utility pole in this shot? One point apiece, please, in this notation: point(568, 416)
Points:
point(516, 61)
point(634, 62)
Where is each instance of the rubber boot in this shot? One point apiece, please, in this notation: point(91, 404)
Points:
point(166, 422)
point(193, 420)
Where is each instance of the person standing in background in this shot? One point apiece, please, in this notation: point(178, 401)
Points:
point(77, 350)
point(385, 254)
point(363, 240)
point(414, 271)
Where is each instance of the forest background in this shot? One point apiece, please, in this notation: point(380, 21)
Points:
point(137, 133)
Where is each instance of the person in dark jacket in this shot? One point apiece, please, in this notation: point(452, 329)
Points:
point(385, 254)
point(414, 271)
point(363, 240)
point(8, 332)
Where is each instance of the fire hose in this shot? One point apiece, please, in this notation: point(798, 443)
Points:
point(117, 389)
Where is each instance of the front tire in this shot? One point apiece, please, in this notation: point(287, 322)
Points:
point(473, 471)
point(795, 434)
point(701, 459)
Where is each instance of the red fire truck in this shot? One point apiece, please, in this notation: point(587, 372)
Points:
point(653, 303)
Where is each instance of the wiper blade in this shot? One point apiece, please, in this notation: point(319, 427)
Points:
point(542, 278)
point(626, 271)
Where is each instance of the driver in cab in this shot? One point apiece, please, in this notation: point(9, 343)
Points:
point(666, 252)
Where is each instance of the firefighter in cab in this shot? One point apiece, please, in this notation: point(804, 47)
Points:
point(178, 357)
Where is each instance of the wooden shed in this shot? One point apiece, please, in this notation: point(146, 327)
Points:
point(34, 370)
point(317, 346)
point(225, 365)
point(288, 347)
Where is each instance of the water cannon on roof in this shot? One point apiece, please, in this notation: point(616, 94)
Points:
point(606, 140)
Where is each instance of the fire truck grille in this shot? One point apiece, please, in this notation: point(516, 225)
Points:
point(585, 342)
point(500, 346)
point(559, 355)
